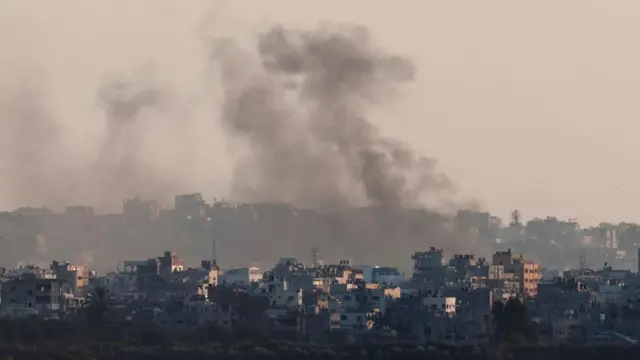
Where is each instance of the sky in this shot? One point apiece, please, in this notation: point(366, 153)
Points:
point(527, 105)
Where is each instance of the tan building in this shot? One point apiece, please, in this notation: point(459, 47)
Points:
point(527, 272)
point(76, 277)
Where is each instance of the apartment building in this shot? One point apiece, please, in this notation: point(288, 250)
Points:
point(516, 267)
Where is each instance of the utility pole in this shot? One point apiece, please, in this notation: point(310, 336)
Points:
point(213, 243)
point(314, 255)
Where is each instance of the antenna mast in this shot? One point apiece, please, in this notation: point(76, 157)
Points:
point(213, 244)
point(583, 262)
point(314, 255)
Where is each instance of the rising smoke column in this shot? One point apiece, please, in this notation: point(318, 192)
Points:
point(33, 155)
point(303, 108)
point(131, 102)
point(302, 104)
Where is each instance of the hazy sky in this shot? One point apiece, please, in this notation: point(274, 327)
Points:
point(525, 104)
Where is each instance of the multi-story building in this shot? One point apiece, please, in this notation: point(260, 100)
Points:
point(139, 210)
point(516, 268)
point(429, 268)
point(243, 276)
point(29, 291)
point(76, 277)
point(440, 304)
point(428, 260)
point(190, 206)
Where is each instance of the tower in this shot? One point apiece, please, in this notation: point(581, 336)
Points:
point(583, 262)
point(515, 218)
point(314, 255)
point(214, 273)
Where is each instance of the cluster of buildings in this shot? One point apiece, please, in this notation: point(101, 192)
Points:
point(439, 298)
point(442, 300)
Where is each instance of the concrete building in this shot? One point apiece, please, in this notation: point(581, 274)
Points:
point(213, 270)
point(243, 276)
point(427, 260)
point(280, 294)
point(139, 210)
point(190, 206)
point(31, 292)
point(169, 263)
point(440, 304)
point(526, 272)
point(352, 320)
point(75, 276)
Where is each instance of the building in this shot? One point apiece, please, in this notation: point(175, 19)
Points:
point(352, 320)
point(169, 263)
point(139, 210)
point(190, 206)
point(213, 277)
point(387, 276)
point(428, 260)
point(440, 304)
point(516, 268)
point(79, 210)
point(243, 276)
point(76, 277)
point(31, 292)
point(280, 294)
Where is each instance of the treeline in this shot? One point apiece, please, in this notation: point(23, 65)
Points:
point(34, 338)
point(293, 351)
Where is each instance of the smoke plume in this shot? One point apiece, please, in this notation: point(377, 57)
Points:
point(139, 152)
point(131, 104)
point(302, 102)
point(30, 144)
point(303, 107)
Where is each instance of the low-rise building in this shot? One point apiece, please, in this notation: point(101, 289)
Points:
point(440, 304)
point(243, 276)
point(31, 292)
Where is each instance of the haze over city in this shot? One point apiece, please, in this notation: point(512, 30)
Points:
point(519, 107)
point(328, 179)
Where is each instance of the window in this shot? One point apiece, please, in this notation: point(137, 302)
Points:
point(344, 317)
point(29, 292)
point(376, 298)
point(291, 298)
point(347, 298)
